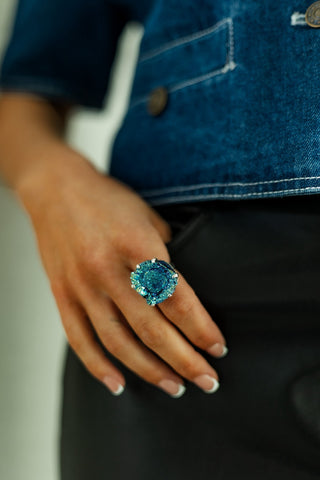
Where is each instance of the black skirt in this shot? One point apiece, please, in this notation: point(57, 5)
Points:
point(255, 265)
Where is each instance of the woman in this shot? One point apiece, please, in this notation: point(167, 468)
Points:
point(209, 172)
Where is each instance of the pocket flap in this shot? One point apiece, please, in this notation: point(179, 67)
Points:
point(185, 60)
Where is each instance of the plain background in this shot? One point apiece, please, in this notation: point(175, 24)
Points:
point(32, 339)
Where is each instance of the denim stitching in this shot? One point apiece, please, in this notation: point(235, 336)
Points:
point(235, 195)
point(180, 41)
point(298, 18)
point(229, 65)
point(211, 185)
point(201, 78)
point(231, 41)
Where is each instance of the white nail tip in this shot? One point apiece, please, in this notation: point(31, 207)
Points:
point(118, 391)
point(180, 392)
point(215, 386)
point(216, 348)
point(224, 352)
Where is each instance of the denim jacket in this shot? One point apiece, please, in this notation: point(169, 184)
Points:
point(225, 100)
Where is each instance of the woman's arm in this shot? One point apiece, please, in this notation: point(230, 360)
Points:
point(31, 131)
point(91, 231)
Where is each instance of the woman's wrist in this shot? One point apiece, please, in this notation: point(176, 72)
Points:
point(49, 174)
point(31, 131)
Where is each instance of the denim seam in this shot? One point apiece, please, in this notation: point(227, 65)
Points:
point(202, 78)
point(231, 42)
point(229, 65)
point(226, 195)
point(149, 54)
point(230, 184)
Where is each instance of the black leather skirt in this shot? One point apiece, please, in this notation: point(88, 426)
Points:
point(255, 265)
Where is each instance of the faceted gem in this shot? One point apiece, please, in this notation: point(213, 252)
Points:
point(155, 280)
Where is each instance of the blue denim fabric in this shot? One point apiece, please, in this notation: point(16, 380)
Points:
point(65, 49)
point(243, 78)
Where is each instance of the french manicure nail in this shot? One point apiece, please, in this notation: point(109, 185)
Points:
point(175, 389)
point(218, 350)
point(114, 386)
point(207, 383)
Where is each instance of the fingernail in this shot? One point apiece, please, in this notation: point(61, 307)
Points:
point(207, 383)
point(173, 388)
point(218, 350)
point(114, 386)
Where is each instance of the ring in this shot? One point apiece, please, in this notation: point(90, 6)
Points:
point(155, 280)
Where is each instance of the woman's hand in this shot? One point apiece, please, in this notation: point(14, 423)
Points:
point(91, 231)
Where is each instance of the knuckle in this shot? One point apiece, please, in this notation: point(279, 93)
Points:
point(116, 349)
point(101, 266)
point(184, 307)
point(131, 245)
point(188, 368)
point(203, 339)
point(94, 260)
point(152, 336)
point(123, 243)
point(114, 345)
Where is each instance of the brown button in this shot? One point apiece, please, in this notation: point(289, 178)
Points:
point(313, 15)
point(158, 100)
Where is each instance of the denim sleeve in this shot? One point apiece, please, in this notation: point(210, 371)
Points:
point(63, 49)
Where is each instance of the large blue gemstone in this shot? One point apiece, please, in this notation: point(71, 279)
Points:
point(155, 281)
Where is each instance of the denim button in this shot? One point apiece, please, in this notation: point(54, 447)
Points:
point(313, 15)
point(158, 100)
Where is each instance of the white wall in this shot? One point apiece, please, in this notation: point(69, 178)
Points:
point(32, 339)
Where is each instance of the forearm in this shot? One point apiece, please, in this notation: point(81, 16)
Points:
point(32, 147)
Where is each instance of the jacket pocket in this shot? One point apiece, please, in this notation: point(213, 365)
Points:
point(185, 61)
